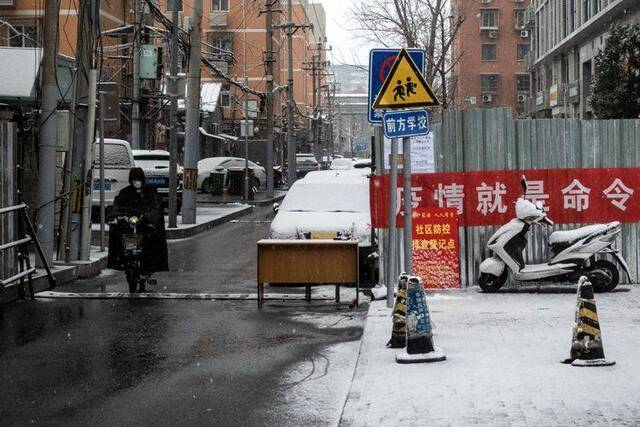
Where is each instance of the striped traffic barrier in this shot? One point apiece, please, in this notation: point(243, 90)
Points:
point(399, 316)
point(586, 343)
point(420, 346)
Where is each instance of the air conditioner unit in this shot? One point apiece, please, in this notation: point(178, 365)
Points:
point(522, 97)
point(487, 98)
point(493, 34)
point(524, 34)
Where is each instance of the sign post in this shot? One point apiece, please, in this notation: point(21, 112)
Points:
point(405, 88)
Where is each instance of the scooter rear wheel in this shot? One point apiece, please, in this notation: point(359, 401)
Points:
point(612, 274)
point(490, 283)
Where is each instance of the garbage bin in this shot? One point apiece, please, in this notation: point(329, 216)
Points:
point(216, 183)
point(236, 182)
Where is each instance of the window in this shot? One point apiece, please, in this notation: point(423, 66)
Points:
point(488, 52)
point(116, 156)
point(220, 5)
point(523, 48)
point(489, 83)
point(522, 83)
point(519, 18)
point(220, 45)
point(225, 95)
point(21, 35)
point(489, 18)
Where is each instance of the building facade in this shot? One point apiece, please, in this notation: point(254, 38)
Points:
point(488, 54)
point(567, 36)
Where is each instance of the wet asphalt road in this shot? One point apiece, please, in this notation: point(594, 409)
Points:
point(179, 362)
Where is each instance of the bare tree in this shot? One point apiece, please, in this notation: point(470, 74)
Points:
point(425, 24)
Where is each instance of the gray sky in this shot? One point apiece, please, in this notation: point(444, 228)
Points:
point(346, 48)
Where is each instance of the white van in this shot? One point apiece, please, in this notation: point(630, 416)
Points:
point(118, 161)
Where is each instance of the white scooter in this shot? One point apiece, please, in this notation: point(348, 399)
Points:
point(574, 252)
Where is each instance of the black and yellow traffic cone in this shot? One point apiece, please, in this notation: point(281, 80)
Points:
point(420, 346)
point(586, 342)
point(399, 330)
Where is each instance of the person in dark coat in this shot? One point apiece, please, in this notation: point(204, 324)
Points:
point(138, 199)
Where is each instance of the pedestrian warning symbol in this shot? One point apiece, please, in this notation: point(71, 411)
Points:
point(405, 87)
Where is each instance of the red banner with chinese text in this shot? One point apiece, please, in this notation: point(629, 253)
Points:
point(488, 197)
point(435, 247)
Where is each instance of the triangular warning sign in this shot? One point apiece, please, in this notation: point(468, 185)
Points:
point(405, 87)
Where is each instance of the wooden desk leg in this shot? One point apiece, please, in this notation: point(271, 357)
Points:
point(307, 293)
point(337, 293)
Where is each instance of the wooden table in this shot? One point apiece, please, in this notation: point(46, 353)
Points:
point(308, 263)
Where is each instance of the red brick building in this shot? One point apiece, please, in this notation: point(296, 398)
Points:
point(490, 48)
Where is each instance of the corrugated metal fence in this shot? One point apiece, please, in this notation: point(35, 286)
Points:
point(489, 139)
point(7, 195)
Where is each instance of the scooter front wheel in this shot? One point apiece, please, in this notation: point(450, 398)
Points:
point(490, 283)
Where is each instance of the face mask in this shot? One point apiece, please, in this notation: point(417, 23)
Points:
point(137, 185)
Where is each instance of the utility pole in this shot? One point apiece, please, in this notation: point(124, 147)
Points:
point(291, 145)
point(292, 169)
point(246, 103)
point(89, 136)
point(269, 100)
point(48, 134)
point(192, 146)
point(314, 71)
point(173, 118)
point(135, 107)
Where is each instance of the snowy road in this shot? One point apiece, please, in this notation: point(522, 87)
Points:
point(503, 365)
point(126, 361)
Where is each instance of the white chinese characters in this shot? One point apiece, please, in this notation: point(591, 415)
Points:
point(490, 198)
point(576, 196)
point(618, 193)
point(450, 196)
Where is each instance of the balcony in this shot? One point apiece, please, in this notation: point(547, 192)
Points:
point(529, 60)
point(218, 19)
point(573, 92)
point(542, 100)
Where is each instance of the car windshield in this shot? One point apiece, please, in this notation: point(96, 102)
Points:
point(115, 155)
point(329, 196)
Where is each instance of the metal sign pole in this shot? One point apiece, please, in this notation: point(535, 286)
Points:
point(408, 220)
point(393, 191)
point(102, 201)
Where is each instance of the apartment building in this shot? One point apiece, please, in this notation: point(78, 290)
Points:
point(25, 19)
point(234, 32)
point(567, 36)
point(488, 54)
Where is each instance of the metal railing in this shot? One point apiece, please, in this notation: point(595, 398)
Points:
point(26, 235)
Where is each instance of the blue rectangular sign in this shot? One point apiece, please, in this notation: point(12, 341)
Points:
point(405, 123)
point(380, 63)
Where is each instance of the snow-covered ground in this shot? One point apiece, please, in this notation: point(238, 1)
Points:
point(503, 365)
point(204, 215)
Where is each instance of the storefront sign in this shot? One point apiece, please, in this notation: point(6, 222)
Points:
point(435, 247)
point(569, 196)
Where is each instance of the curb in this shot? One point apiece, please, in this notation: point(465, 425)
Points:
point(184, 233)
point(63, 273)
point(267, 202)
point(351, 407)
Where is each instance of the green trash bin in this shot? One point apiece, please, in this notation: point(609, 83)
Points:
point(216, 183)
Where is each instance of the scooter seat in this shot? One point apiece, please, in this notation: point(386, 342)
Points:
point(569, 237)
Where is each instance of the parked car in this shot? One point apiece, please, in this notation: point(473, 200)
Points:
point(118, 160)
point(155, 164)
point(330, 204)
point(362, 163)
point(221, 164)
point(341, 164)
point(305, 163)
